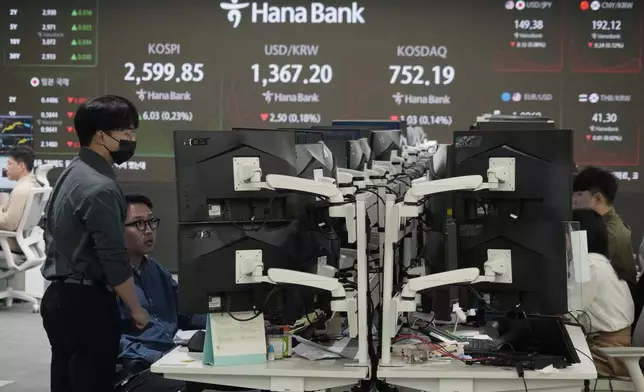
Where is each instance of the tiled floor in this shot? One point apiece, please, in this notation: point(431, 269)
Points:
point(24, 351)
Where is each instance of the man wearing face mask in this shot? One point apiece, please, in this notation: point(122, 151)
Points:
point(86, 260)
point(596, 189)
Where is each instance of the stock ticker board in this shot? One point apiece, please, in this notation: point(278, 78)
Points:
point(209, 64)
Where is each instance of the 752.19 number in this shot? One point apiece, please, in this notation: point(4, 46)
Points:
point(415, 74)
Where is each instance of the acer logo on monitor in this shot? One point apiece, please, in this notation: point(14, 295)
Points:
point(196, 141)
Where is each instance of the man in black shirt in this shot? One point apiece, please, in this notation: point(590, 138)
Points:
point(86, 258)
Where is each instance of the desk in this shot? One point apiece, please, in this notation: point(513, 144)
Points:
point(456, 376)
point(293, 374)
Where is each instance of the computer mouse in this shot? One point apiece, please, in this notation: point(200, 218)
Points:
point(196, 342)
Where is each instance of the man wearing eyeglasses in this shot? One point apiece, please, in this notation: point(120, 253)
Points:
point(157, 292)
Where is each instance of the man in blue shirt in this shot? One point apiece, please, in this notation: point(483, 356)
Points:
point(157, 292)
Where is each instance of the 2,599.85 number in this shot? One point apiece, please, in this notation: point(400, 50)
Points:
point(164, 71)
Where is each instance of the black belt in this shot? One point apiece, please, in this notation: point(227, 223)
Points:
point(84, 282)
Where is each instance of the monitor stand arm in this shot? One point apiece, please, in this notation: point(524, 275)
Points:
point(345, 183)
point(500, 177)
point(332, 285)
point(338, 207)
point(250, 270)
point(405, 301)
point(249, 265)
point(360, 178)
point(384, 168)
point(249, 176)
point(498, 269)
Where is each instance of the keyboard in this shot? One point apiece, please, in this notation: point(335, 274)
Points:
point(481, 344)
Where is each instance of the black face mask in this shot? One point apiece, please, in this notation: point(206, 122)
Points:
point(124, 153)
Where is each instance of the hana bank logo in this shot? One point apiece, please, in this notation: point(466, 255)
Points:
point(315, 13)
point(234, 11)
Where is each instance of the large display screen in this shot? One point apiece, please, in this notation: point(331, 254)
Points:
point(209, 64)
point(14, 131)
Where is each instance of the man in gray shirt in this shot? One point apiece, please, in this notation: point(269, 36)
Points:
point(86, 258)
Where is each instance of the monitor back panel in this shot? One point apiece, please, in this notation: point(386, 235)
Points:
point(205, 177)
point(528, 221)
point(207, 261)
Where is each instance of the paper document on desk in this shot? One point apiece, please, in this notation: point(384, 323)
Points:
point(345, 347)
point(313, 353)
point(183, 337)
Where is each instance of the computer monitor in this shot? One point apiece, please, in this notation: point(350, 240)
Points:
point(16, 130)
point(438, 165)
point(441, 238)
point(253, 129)
point(528, 221)
point(308, 137)
point(375, 124)
point(314, 160)
point(336, 140)
point(205, 176)
point(302, 136)
point(316, 226)
point(383, 143)
point(207, 263)
point(364, 131)
point(366, 150)
point(359, 154)
point(219, 225)
point(356, 159)
point(512, 123)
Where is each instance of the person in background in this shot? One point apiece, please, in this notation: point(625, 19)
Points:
point(596, 189)
point(86, 259)
point(607, 309)
point(157, 292)
point(20, 165)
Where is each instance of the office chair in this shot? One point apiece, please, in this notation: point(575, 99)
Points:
point(631, 357)
point(31, 243)
point(42, 172)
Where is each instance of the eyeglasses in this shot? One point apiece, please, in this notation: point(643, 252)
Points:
point(130, 134)
point(140, 225)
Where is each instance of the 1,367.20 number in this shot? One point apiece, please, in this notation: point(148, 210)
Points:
point(292, 73)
